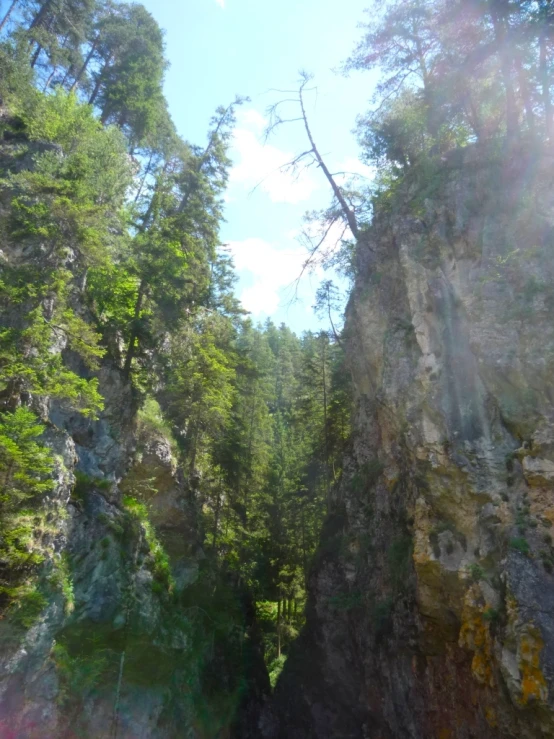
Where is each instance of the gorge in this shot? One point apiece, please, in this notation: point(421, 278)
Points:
point(211, 528)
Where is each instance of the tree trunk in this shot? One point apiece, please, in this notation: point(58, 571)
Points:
point(545, 84)
point(6, 18)
point(474, 117)
point(304, 557)
point(194, 448)
point(41, 15)
point(506, 68)
point(98, 82)
point(525, 93)
point(67, 75)
point(250, 442)
point(279, 627)
point(36, 55)
point(146, 173)
point(348, 213)
point(325, 428)
point(84, 66)
point(432, 127)
point(49, 80)
point(131, 347)
point(216, 518)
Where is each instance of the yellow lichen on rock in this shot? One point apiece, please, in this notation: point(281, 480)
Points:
point(422, 530)
point(490, 715)
point(475, 636)
point(533, 683)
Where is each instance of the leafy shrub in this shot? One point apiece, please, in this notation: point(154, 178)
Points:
point(162, 568)
point(520, 544)
point(61, 579)
point(27, 607)
point(25, 471)
point(77, 675)
point(477, 572)
point(491, 615)
point(275, 668)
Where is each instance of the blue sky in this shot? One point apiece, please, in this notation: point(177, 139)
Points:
point(218, 48)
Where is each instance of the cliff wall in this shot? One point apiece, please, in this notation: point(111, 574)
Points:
point(431, 610)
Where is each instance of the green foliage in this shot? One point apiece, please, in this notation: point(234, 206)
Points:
point(118, 221)
point(78, 675)
point(25, 476)
point(491, 615)
point(477, 572)
point(275, 668)
point(27, 605)
point(77, 186)
point(520, 544)
point(440, 88)
point(16, 76)
point(61, 579)
point(84, 484)
point(161, 565)
point(152, 420)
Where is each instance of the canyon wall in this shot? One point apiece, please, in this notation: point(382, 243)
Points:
point(431, 610)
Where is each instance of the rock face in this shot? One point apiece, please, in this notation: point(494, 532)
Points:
point(431, 611)
point(121, 649)
point(59, 676)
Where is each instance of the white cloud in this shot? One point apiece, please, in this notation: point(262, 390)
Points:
point(252, 118)
point(221, 3)
point(263, 166)
point(271, 269)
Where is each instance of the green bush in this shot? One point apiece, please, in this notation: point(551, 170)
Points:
point(162, 567)
point(78, 676)
point(61, 579)
point(520, 544)
point(275, 668)
point(477, 572)
point(27, 607)
point(491, 615)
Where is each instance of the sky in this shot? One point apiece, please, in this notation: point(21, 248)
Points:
point(220, 48)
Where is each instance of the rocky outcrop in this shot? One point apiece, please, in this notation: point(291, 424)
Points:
point(138, 637)
point(431, 610)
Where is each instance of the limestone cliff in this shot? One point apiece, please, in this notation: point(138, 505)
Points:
point(431, 610)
